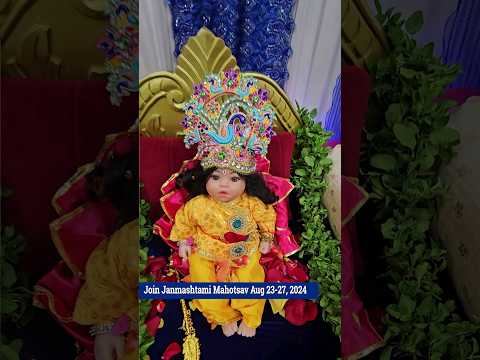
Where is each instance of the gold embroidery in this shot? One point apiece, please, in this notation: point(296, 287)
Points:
point(208, 220)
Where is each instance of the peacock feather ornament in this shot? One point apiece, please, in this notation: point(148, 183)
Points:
point(230, 118)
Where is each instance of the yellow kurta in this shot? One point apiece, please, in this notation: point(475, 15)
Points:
point(206, 221)
point(111, 278)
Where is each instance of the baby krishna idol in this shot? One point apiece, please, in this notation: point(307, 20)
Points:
point(229, 219)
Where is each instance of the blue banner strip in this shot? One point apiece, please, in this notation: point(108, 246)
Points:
point(231, 290)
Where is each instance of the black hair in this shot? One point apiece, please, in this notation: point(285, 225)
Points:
point(195, 181)
point(116, 180)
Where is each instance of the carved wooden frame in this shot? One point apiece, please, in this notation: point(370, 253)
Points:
point(163, 94)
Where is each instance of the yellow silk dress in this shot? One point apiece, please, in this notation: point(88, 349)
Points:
point(211, 224)
point(111, 278)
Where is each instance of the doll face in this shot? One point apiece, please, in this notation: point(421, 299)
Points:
point(225, 185)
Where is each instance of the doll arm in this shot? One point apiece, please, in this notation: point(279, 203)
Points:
point(183, 228)
point(265, 217)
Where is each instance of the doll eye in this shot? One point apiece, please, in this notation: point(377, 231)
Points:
point(215, 177)
point(235, 179)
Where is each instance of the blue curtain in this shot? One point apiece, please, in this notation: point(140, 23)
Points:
point(257, 31)
point(461, 43)
point(333, 118)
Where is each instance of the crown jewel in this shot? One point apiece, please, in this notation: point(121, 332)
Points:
point(230, 119)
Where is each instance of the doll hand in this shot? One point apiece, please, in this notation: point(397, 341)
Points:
point(265, 247)
point(109, 346)
point(184, 250)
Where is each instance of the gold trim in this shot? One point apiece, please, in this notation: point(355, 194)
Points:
point(162, 200)
point(81, 171)
point(292, 252)
point(366, 351)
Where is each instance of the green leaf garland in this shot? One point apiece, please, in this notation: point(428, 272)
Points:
point(310, 166)
point(407, 142)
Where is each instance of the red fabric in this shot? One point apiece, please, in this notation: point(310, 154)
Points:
point(49, 128)
point(356, 87)
point(57, 292)
point(353, 197)
point(231, 237)
point(77, 194)
point(79, 235)
point(357, 332)
point(358, 335)
point(160, 157)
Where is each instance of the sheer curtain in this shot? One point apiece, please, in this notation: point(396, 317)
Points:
point(156, 37)
point(315, 62)
point(313, 67)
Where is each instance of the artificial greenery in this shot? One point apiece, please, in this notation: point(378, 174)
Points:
point(15, 296)
point(145, 229)
point(319, 246)
point(407, 141)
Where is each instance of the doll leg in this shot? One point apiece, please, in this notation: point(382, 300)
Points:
point(217, 311)
point(251, 309)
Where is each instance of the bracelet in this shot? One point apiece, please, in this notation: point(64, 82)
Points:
point(101, 329)
point(266, 237)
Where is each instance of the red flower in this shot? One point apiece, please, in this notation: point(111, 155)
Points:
point(180, 264)
point(152, 325)
point(299, 311)
point(155, 265)
point(171, 350)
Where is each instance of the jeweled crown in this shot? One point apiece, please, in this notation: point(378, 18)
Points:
point(230, 118)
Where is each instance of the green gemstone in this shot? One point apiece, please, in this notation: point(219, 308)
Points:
point(237, 224)
point(221, 155)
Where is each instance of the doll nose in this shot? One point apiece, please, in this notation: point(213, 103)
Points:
point(224, 183)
